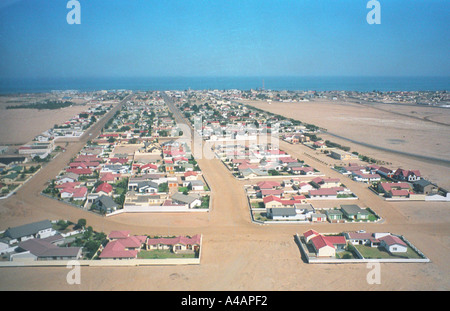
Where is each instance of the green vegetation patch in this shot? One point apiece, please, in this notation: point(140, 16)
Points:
point(162, 254)
point(43, 105)
point(380, 253)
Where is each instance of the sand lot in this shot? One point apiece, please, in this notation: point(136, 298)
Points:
point(407, 131)
point(384, 128)
point(19, 126)
point(236, 253)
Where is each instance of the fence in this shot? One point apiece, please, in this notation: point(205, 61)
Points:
point(104, 262)
point(331, 260)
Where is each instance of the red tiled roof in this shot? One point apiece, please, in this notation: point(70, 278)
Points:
point(80, 171)
point(310, 232)
point(268, 184)
point(173, 241)
point(116, 249)
point(323, 191)
point(149, 165)
point(384, 170)
point(392, 239)
point(399, 192)
point(105, 187)
point(336, 239)
point(119, 234)
point(320, 241)
point(190, 173)
point(118, 160)
point(388, 186)
point(272, 192)
point(288, 160)
point(80, 192)
point(68, 184)
point(109, 177)
point(271, 198)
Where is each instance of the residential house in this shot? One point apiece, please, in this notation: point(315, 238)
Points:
point(385, 172)
point(387, 188)
point(110, 178)
point(189, 201)
point(425, 187)
point(41, 229)
point(326, 193)
point(323, 247)
point(365, 238)
point(45, 249)
point(268, 185)
point(180, 244)
point(393, 244)
point(354, 212)
point(330, 183)
point(196, 185)
point(406, 175)
point(105, 204)
point(368, 178)
point(318, 217)
point(308, 235)
point(123, 247)
point(104, 189)
point(304, 187)
point(343, 155)
point(334, 215)
point(277, 193)
point(275, 202)
point(66, 178)
point(284, 213)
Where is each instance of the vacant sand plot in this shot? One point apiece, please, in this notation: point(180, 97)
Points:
point(19, 126)
point(386, 129)
point(381, 128)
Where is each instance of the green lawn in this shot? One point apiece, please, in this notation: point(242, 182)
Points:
point(345, 255)
point(258, 205)
point(380, 253)
point(162, 254)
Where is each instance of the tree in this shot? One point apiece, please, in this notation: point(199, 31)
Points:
point(164, 187)
point(88, 233)
point(81, 223)
point(62, 224)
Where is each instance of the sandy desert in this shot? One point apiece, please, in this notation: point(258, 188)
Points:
point(19, 126)
point(399, 128)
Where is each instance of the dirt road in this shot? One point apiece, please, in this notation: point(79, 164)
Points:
point(236, 253)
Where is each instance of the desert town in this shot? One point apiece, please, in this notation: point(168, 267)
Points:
point(191, 181)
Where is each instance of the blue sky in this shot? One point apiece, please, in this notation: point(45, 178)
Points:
point(145, 38)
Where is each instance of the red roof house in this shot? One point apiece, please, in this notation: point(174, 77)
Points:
point(105, 188)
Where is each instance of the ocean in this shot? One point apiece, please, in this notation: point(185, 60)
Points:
point(359, 84)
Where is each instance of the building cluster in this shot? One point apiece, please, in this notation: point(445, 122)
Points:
point(129, 166)
point(37, 241)
point(395, 183)
point(121, 246)
point(322, 245)
point(18, 168)
point(171, 181)
point(291, 200)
